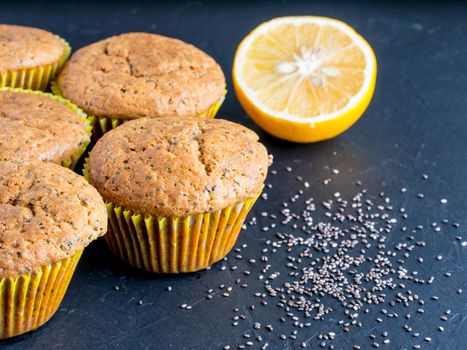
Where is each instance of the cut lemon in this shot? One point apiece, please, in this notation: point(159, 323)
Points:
point(304, 79)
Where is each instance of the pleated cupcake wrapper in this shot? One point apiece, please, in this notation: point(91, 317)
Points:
point(175, 244)
point(101, 125)
point(28, 301)
point(35, 78)
point(71, 162)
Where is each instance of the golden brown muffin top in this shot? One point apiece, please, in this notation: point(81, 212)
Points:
point(137, 75)
point(178, 167)
point(27, 47)
point(35, 127)
point(47, 213)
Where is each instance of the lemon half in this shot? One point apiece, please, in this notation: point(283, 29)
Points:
point(304, 79)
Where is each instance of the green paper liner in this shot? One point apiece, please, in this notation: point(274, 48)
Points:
point(101, 125)
point(28, 301)
point(73, 160)
point(35, 78)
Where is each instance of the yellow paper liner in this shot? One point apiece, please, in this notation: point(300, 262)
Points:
point(174, 244)
point(71, 162)
point(28, 301)
point(35, 78)
point(101, 125)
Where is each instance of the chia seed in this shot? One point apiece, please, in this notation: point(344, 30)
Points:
point(343, 254)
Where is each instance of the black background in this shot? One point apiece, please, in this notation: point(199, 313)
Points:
point(416, 123)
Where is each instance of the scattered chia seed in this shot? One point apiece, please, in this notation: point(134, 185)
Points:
point(337, 248)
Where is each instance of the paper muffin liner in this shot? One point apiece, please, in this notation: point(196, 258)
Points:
point(164, 244)
point(174, 244)
point(35, 78)
point(71, 162)
point(28, 301)
point(101, 125)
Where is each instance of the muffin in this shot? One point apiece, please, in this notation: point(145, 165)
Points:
point(39, 126)
point(136, 75)
point(30, 57)
point(177, 189)
point(48, 215)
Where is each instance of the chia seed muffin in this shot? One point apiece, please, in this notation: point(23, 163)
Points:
point(177, 190)
point(136, 75)
point(40, 126)
point(48, 215)
point(30, 57)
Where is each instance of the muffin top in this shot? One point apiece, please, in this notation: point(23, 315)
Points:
point(26, 47)
point(47, 213)
point(37, 127)
point(178, 167)
point(137, 75)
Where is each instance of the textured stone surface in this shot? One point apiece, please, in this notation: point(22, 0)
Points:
point(415, 124)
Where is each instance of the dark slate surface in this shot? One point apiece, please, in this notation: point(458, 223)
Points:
point(415, 124)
